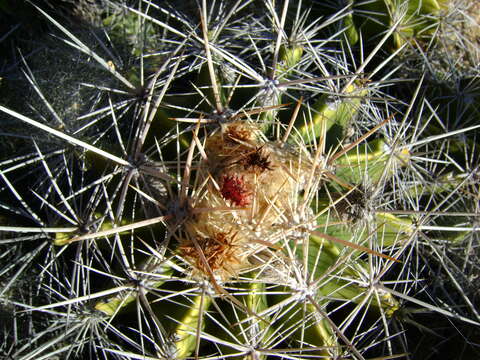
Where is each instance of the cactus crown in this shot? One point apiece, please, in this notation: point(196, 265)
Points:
point(244, 180)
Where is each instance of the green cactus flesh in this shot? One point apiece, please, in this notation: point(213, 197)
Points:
point(238, 189)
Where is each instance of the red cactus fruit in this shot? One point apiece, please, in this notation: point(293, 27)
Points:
point(234, 189)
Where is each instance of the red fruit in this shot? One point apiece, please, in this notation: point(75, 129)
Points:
point(235, 190)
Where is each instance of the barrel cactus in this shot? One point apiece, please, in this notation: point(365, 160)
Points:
point(239, 182)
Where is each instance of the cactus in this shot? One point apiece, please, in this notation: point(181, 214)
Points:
point(236, 187)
